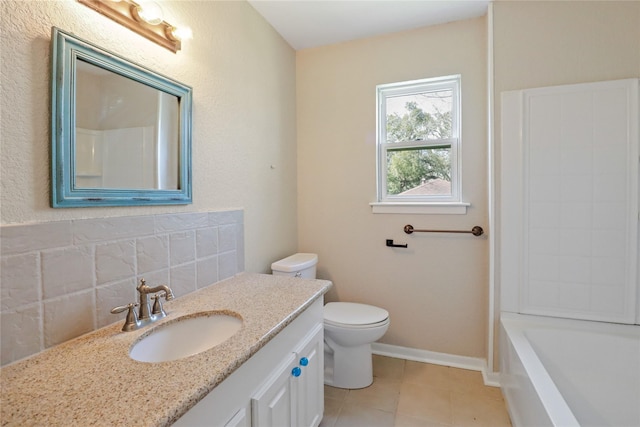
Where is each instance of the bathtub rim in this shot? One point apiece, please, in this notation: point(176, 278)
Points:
point(552, 400)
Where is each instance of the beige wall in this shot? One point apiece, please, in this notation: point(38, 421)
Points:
point(436, 289)
point(243, 78)
point(539, 43)
point(546, 43)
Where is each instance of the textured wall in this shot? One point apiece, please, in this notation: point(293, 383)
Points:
point(243, 76)
point(436, 289)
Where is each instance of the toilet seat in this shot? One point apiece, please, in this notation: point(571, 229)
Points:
point(354, 315)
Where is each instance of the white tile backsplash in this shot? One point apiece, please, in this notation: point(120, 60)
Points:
point(154, 278)
point(20, 276)
point(182, 247)
point(16, 239)
point(227, 265)
point(206, 242)
point(115, 261)
point(107, 229)
point(67, 317)
point(226, 217)
point(206, 271)
point(226, 238)
point(183, 278)
point(67, 270)
point(179, 222)
point(61, 279)
point(152, 253)
point(21, 332)
point(114, 294)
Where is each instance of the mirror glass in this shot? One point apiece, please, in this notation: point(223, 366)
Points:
point(126, 132)
point(122, 133)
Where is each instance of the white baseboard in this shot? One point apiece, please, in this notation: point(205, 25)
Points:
point(455, 361)
point(491, 378)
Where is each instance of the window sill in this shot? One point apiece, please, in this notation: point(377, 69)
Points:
point(435, 208)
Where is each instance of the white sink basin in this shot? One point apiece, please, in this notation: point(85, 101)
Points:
point(186, 336)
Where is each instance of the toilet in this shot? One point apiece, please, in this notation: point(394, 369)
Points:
point(349, 329)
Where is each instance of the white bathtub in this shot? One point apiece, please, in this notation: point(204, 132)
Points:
point(562, 372)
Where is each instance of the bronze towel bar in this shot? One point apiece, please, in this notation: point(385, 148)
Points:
point(476, 231)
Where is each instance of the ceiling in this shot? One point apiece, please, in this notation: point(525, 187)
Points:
point(311, 23)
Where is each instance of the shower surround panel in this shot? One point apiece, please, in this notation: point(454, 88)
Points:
point(570, 174)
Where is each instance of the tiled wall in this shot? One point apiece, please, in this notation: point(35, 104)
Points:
point(60, 279)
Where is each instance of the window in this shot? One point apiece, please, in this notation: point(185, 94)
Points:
point(418, 139)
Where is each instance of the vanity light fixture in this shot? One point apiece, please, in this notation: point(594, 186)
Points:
point(143, 17)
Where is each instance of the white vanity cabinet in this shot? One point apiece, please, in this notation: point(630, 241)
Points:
point(281, 385)
point(293, 393)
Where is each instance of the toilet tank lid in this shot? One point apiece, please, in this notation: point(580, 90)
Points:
point(295, 262)
point(351, 313)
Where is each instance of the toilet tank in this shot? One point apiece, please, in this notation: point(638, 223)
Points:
point(298, 265)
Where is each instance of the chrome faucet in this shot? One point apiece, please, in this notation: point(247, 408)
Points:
point(145, 316)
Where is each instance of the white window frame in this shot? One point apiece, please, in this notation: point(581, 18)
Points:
point(419, 203)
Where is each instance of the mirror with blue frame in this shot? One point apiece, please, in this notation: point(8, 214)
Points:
point(121, 133)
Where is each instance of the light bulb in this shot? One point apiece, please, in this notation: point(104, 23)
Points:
point(182, 33)
point(149, 11)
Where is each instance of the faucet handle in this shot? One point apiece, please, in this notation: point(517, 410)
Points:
point(157, 309)
point(131, 323)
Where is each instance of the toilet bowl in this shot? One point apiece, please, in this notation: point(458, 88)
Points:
point(349, 329)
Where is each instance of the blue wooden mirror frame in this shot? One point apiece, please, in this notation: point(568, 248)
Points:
point(66, 50)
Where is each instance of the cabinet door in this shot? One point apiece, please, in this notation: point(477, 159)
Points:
point(310, 384)
point(274, 404)
point(240, 419)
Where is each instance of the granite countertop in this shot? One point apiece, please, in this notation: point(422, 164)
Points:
point(91, 380)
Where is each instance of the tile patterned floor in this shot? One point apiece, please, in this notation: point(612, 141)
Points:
point(412, 394)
